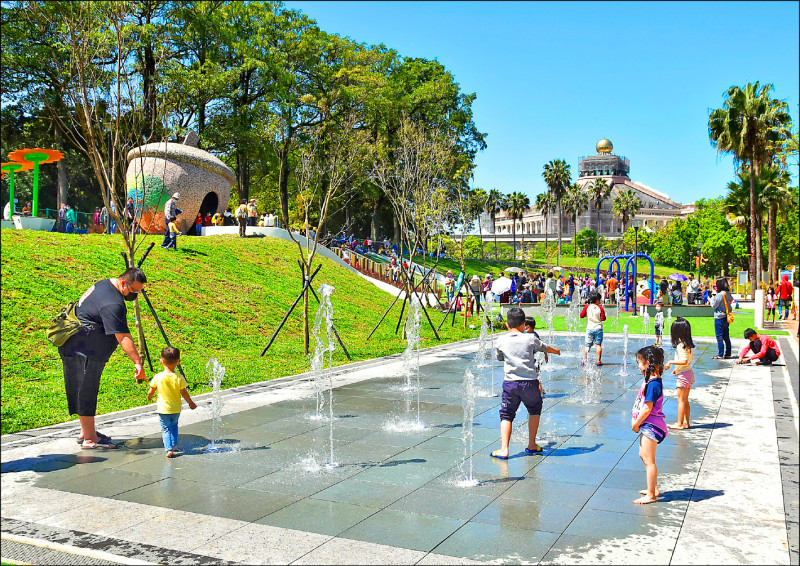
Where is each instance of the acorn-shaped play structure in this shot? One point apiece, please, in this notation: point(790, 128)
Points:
point(158, 170)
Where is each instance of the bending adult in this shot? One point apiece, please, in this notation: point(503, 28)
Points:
point(170, 209)
point(104, 316)
point(721, 303)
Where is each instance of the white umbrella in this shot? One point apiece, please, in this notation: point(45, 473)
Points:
point(501, 285)
point(514, 270)
point(557, 268)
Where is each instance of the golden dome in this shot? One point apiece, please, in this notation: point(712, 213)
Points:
point(604, 146)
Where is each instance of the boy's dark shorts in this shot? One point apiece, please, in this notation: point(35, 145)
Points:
point(516, 392)
point(658, 329)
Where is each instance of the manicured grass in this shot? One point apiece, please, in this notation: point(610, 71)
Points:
point(701, 326)
point(217, 297)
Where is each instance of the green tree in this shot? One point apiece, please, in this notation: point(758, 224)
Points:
point(495, 203)
point(598, 192)
point(545, 204)
point(749, 126)
point(775, 194)
point(626, 205)
point(576, 201)
point(586, 240)
point(557, 177)
point(518, 204)
point(477, 204)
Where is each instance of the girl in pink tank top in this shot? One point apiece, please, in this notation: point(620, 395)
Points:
point(647, 417)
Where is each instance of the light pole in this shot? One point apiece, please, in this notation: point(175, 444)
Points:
point(699, 258)
point(635, 262)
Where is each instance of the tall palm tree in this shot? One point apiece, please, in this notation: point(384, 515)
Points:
point(557, 177)
point(477, 204)
point(599, 191)
point(626, 205)
point(775, 194)
point(749, 126)
point(576, 202)
point(545, 204)
point(518, 204)
point(495, 202)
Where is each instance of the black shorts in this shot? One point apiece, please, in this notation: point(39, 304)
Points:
point(516, 392)
point(82, 383)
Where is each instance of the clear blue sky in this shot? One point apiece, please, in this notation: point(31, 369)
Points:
point(553, 78)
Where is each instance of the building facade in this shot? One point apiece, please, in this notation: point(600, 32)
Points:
point(656, 211)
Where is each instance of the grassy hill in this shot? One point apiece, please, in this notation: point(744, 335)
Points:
point(219, 297)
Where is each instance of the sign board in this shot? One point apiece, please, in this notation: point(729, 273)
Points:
point(786, 272)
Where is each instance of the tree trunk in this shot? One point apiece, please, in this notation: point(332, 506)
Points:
point(598, 229)
point(558, 250)
point(283, 182)
point(494, 231)
point(514, 236)
point(243, 175)
point(576, 236)
point(62, 169)
point(396, 230)
point(759, 248)
point(773, 243)
point(545, 236)
point(753, 228)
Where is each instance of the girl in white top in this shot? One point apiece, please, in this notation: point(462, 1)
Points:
point(681, 333)
point(595, 315)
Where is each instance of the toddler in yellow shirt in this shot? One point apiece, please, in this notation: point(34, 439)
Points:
point(171, 387)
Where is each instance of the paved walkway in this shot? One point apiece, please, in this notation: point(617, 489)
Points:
point(395, 496)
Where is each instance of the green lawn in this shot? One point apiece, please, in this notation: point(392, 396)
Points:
point(217, 297)
point(701, 326)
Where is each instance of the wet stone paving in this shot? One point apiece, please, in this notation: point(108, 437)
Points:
point(399, 465)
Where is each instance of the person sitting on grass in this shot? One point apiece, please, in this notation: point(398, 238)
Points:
point(171, 387)
point(521, 382)
point(763, 349)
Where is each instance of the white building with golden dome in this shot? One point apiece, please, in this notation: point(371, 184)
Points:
point(656, 211)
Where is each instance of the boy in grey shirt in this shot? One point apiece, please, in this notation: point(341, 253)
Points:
point(521, 383)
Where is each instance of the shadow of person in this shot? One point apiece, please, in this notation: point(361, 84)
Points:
point(575, 450)
point(690, 494)
point(49, 463)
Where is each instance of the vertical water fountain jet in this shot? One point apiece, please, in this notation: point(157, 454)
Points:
point(323, 334)
point(468, 404)
point(615, 320)
point(410, 361)
point(216, 374)
point(624, 369)
point(646, 326)
point(669, 321)
point(548, 310)
point(573, 319)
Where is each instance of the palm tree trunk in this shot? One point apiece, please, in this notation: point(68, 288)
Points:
point(773, 243)
point(494, 231)
point(759, 249)
point(558, 250)
point(514, 236)
point(522, 241)
point(754, 274)
point(576, 236)
point(545, 237)
point(598, 229)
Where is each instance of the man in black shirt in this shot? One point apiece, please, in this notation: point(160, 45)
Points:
point(103, 315)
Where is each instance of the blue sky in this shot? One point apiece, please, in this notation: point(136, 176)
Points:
point(553, 78)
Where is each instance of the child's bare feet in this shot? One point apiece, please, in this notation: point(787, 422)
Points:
point(677, 426)
point(644, 500)
point(644, 492)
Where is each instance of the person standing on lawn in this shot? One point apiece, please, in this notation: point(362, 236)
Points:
point(103, 315)
point(722, 304)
